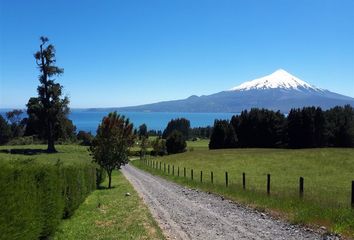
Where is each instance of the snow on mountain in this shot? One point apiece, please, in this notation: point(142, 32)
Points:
point(279, 79)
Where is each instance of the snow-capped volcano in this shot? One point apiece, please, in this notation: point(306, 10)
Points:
point(277, 91)
point(278, 79)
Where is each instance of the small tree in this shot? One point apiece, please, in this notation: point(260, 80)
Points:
point(175, 143)
point(15, 118)
point(5, 131)
point(143, 132)
point(110, 147)
point(159, 146)
point(143, 146)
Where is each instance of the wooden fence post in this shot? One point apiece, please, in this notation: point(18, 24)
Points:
point(168, 169)
point(192, 174)
point(164, 167)
point(178, 171)
point(268, 184)
point(226, 179)
point(173, 170)
point(184, 172)
point(201, 176)
point(301, 189)
point(244, 181)
point(212, 177)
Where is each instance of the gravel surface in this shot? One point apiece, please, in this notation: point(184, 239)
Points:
point(184, 213)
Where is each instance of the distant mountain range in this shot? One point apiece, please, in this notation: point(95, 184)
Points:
point(277, 91)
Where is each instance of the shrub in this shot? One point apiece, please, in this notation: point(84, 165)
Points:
point(85, 138)
point(36, 196)
point(175, 143)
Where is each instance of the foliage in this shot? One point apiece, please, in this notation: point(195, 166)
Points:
point(159, 147)
point(143, 132)
point(200, 132)
point(37, 193)
point(308, 127)
point(25, 140)
point(17, 125)
point(180, 124)
point(155, 133)
point(48, 110)
point(143, 146)
point(259, 128)
point(110, 147)
point(5, 131)
point(176, 143)
point(100, 176)
point(340, 122)
point(85, 138)
point(223, 135)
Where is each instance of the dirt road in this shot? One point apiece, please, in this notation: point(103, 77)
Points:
point(184, 213)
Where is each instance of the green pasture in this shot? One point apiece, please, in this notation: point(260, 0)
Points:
point(328, 174)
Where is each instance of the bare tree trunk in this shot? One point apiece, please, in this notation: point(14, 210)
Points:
point(109, 178)
point(51, 147)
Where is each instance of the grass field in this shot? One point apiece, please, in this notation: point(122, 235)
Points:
point(327, 174)
point(68, 154)
point(109, 214)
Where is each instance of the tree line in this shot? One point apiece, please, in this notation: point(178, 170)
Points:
point(308, 127)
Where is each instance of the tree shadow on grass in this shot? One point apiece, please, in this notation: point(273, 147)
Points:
point(23, 151)
point(105, 187)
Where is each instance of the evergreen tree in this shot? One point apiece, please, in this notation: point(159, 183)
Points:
point(223, 135)
point(175, 143)
point(340, 126)
point(143, 132)
point(48, 108)
point(180, 124)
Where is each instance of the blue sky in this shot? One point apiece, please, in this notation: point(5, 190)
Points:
point(121, 53)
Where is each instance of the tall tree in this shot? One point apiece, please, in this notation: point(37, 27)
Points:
point(143, 132)
point(180, 124)
point(223, 135)
point(175, 143)
point(48, 107)
point(110, 147)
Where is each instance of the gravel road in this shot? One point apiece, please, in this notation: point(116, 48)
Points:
point(184, 213)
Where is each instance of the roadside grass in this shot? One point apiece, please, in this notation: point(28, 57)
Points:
point(109, 214)
point(327, 173)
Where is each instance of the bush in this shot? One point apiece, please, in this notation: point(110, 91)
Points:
point(175, 143)
point(35, 196)
point(85, 138)
point(25, 140)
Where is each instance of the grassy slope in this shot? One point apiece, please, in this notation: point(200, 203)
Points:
point(66, 153)
point(328, 174)
point(109, 214)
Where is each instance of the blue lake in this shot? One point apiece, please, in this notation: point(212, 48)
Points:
point(89, 120)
